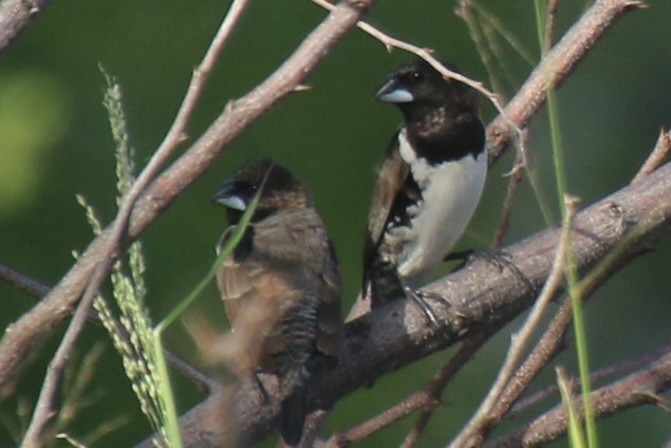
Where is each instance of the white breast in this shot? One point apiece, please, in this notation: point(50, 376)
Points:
point(451, 192)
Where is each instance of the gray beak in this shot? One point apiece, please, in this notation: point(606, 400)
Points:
point(393, 92)
point(225, 195)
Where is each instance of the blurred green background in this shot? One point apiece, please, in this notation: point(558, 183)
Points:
point(55, 143)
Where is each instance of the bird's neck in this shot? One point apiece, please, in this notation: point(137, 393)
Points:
point(439, 134)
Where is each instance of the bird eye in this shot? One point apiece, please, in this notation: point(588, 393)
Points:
point(417, 76)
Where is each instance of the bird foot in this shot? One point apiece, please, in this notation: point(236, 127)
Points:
point(499, 258)
point(420, 298)
point(263, 396)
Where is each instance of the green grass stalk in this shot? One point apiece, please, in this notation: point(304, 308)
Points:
point(571, 273)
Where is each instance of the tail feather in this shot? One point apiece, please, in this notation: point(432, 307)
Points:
point(293, 416)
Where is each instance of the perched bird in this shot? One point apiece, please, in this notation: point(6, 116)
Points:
point(285, 267)
point(429, 184)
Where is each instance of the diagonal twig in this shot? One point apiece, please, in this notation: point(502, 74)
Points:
point(527, 402)
point(426, 54)
point(642, 387)
point(427, 398)
point(35, 288)
point(554, 69)
point(657, 157)
point(468, 437)
point(516, 175)
point(435, 388)
point(44, 410)
point(15, 16)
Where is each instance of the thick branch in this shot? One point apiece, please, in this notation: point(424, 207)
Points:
point(478, 295)
point(15, 16)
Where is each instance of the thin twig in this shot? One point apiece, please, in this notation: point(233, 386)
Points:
point(175, 135)
point(426, 54)
point(550, 24)
point(478, 36)
point(24, 283)
point(657, 157)
point(44, 409)
point(435, 388)
point(508, 35)
point(468, 437)
point(525, 403)
point(516, 175)
point(428, 397)
point(35, 288)
point(642, 387)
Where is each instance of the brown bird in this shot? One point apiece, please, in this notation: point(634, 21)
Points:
point(283, 278)
point(429, 184)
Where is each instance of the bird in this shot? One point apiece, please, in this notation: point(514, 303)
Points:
point(429, 184)
point(285, 265)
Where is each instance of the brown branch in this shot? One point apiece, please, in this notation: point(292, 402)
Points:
point(469, 435)
point(554, 69)
point(657, 157)
point(435, 388)
point(15, 16)
point(44, 408)
point(552, 340)
point(550, 17)
point(516, 176)
point(35, 288)
point(426, 54)
point(27, 284)
point(478, 296)
point(525, 403)
point(23, 335)
point(428, 398)
point(642, 387)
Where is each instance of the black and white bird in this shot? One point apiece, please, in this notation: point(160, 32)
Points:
point(429, 184)
point(282, 284)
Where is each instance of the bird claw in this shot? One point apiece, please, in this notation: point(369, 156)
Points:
point(420, 298)
point(261, 390)
point(499, 258)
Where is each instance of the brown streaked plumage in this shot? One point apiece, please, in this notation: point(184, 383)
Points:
point(285, 270)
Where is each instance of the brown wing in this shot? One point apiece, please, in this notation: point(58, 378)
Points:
point(301, 242)
point(287, 259)
point(253, 298)
point(390, 181)
point(329, 315)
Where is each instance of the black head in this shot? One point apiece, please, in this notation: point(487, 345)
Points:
point(281, 190)
point(417, 87)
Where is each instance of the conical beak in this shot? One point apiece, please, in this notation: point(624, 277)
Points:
point(226, 195)
point(393, 92)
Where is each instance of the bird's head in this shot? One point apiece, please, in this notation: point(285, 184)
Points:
point(418, 87)
point(280, 190)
